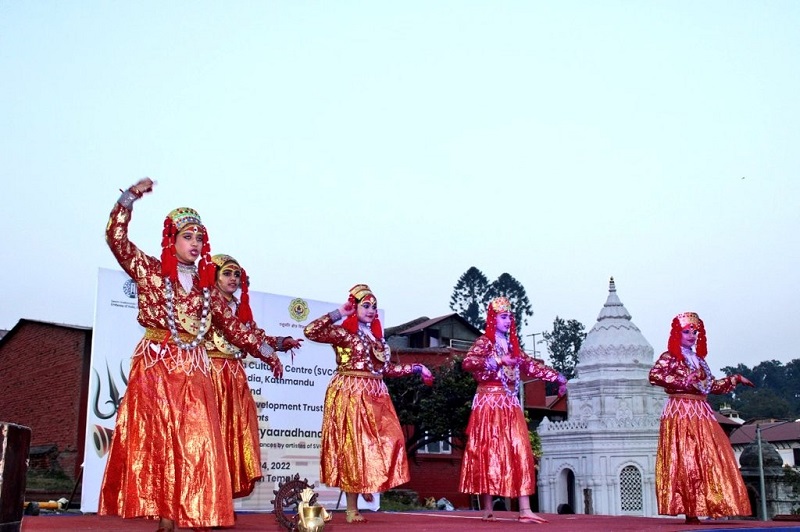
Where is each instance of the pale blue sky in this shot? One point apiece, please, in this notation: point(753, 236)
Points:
point(398, 144)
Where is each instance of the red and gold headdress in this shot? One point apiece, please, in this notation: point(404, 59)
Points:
point(177, 221)
point(497, 306)
point(679, 323)
point(359, 293)
point(244, 313)
point(221, 259)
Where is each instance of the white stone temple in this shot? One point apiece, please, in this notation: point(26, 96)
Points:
point(602, 459)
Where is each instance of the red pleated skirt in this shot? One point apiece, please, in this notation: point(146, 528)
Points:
point(167, 457)
point(363, 447)
point(696, 469)
point(498, 459)
point(238, 423)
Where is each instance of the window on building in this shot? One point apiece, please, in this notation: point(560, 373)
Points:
point(630, 490)
point(433, 338)
point(796, 453)
point(439, 447)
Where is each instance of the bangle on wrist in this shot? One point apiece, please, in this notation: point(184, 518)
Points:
point(266, 350)
point(335, 315)
point(128, 197)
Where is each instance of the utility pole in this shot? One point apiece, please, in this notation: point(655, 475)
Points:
point(534, 335)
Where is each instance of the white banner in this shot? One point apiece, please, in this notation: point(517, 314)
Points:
point(289, 409)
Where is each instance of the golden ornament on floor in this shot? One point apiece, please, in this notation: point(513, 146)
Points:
point(291, 498)
point(312, 516)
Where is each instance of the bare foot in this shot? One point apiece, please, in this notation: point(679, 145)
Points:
point(530, 517)
point(352, 516)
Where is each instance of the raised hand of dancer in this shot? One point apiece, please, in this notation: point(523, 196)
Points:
point(347, 309)
point(744, 380)
point(143, 186)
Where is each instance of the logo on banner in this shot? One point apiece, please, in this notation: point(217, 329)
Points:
point(298, 309)
point(129, 288)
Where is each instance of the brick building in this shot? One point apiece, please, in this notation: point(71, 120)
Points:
point(44, 379)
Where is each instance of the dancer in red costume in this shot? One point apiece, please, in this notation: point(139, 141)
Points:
point(696, 470)
point(498, 459)
point(235, 404)
point(363, 448)
point(167, 457)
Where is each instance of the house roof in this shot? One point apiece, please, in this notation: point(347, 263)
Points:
point(6, 337)
point(725, 420)
point(773, 431)
point(423, 323)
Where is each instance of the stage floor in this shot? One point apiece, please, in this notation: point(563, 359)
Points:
point(422, 521)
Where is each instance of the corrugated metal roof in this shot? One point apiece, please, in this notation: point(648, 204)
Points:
point(772, 431)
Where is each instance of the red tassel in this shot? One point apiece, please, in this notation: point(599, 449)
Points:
point(702, 341)
point(350, 323)
point(245, 313)
point(377, 330)
point(674, 342)
point(207, 270)
point(169, 260)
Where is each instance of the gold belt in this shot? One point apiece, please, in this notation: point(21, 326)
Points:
point(357, 373)
point(485, 387)
point(692, 396)
point(159, 335)
point(220, 354)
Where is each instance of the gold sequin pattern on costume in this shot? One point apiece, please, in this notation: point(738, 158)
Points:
point(146, 271)
point(475, 362)
point(498, 458)
point(363, 447)
point(696, 469)
point(167, 456)
point(353, 352)
point(673, 375)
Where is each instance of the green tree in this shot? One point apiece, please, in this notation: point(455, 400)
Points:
point(507, 286)
point(563, 344)
point(755, 403)
point(774, 395)
point(470, 297)
point(437, 413)
point(793, 385)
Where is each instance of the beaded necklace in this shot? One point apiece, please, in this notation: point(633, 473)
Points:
point(694, 362)
point(383, 353)
point(501, 372)
point(173, 328)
